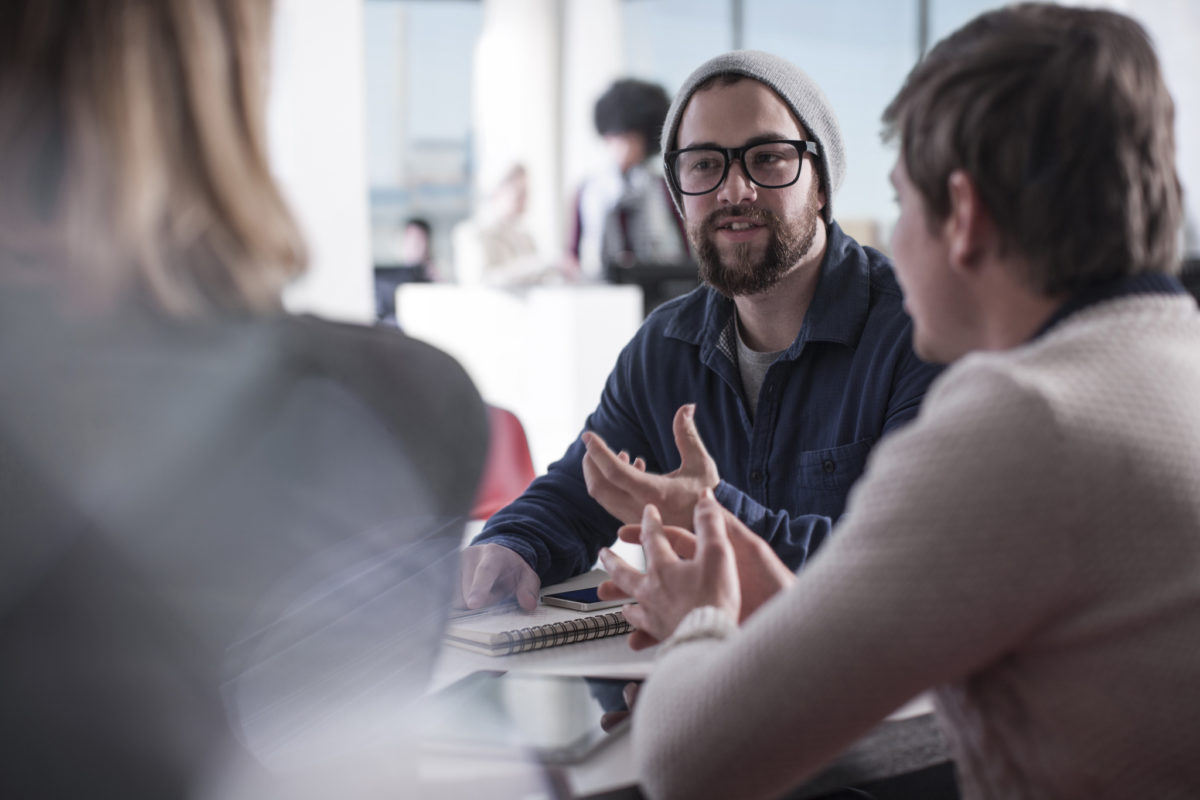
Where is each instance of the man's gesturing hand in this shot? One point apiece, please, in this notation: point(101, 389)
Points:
point(624, 489)
point(490, 573)
point(761, 573)
point(673, 586)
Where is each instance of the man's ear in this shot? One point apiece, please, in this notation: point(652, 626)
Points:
point(968, 227)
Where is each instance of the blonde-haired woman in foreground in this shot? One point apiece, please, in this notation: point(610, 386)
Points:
point(227, 531)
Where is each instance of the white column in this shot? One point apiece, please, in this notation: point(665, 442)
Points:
point(515, 118)
point(317, 141)
point(592, 60)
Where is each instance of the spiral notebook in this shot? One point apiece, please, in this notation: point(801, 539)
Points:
point(508, 630)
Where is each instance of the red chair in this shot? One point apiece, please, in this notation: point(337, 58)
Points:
point(509, 467)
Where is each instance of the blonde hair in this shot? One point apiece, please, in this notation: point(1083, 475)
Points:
point(132, 153)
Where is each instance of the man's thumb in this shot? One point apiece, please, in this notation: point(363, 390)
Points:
point(687, 438)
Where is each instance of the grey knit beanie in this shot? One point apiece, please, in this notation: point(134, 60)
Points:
point(795, 88)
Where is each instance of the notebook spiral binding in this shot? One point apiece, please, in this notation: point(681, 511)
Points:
point(568, 632)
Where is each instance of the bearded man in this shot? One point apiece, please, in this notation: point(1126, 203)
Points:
point(791, 361)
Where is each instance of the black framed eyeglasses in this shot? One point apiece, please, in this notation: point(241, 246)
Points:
point(771, 165)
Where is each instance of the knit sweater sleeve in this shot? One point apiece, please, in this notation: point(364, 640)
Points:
point(917, 588)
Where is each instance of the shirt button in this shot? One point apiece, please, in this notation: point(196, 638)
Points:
point(829, 466)
point(756, 476)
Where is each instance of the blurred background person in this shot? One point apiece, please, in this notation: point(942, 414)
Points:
point(493, 246)
point(414, 264)
point(229, 534)
point(623, 215)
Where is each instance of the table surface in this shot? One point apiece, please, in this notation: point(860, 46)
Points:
point(908, 740)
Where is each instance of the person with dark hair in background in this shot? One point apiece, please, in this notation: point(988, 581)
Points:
point(414, 263)
point(791, 362)
point(229, 534)
point(623, 215)
point(1030, 544)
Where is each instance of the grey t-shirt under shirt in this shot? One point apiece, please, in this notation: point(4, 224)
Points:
point(753, 367)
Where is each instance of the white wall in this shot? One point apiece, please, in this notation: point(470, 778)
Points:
point(317, 139)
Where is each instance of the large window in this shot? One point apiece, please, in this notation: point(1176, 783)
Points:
point(859, 53)
point(420, 55)
point(418, 76)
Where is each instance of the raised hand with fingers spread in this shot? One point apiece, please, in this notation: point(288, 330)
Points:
point(761, 573)
point(624, 489)
point(673, 586)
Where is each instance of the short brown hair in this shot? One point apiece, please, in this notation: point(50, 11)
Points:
point(1062, 120)
point(132, 153)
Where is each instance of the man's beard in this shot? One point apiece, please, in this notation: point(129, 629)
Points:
point(740, 273)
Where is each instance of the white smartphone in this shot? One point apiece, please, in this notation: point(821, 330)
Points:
point(582, 600)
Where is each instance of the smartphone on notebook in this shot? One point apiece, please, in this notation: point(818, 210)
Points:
point(582, 600)
point(557, 719)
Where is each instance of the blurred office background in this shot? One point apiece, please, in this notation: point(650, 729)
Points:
point(388, 110)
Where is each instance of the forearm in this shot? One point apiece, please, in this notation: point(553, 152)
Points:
point(748, 716)
point(554, 526)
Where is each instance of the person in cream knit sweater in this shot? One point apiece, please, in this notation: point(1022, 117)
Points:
point(1029, 546)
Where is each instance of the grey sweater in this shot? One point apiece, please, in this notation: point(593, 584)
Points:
point(1030, 546)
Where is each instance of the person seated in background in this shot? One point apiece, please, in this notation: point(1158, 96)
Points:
point(1030, 544)
point(623, 215)
point(791, 362)
point(493, 246)
point(414, 263)
point(229, 534)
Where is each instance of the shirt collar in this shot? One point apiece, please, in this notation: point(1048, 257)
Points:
point(1139, 284)
point(839, 308)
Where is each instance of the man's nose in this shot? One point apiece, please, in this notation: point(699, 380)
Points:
point(737, 186)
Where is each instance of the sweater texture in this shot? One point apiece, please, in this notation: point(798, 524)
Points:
point(1030, 546)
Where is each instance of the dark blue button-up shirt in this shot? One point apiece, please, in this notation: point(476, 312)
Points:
point(849, 378)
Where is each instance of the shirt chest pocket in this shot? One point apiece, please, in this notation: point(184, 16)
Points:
point(833, 467)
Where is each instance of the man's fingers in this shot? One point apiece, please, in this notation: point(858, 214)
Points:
point(607, 464)
point(528, 585)
point(640, 640)
point(710, 527)
point(638, 617)
point(692, 452)
point(466, 576)
point(608, 590)
point(630, 533)
point(604, 491)
point(683, 542)
point(620, 572)
point(654, 542)
point(482, 587)
point(611, 719)
point(639, 464)
point(593, 478)
point(630, 691)
point(603, 458)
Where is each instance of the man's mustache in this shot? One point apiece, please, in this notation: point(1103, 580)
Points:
point(756, 215)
